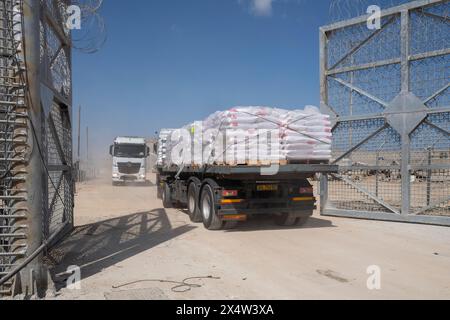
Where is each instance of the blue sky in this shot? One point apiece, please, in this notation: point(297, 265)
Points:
point(170, 62)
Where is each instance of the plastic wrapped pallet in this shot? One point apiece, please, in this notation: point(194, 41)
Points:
point(304, 134)
point(162, 156)
point(307, 135)
point(245, 135)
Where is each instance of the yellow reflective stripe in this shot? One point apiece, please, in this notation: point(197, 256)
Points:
point(229, 201)
point(304, 199)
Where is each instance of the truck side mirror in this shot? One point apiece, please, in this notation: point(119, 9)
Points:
point(111, 149)
point(155, 148)
point(148, 151)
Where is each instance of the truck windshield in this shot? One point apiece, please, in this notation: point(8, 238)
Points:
point(129, 151)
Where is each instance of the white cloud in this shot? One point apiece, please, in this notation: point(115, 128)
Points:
point(262, 7)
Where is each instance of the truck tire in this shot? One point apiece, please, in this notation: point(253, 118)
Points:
point(301, 221)
point(158, 187)
point(286, 220)
point(208, 209)
point(167, 197)
point(193, 204)
point(230, 225)
point(290, 220)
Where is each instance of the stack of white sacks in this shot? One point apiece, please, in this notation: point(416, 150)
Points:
point(164, 136)
point(245, 132)
point(245, 135)
point(307, 135)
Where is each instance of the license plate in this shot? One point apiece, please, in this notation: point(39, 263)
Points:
point(267, 187)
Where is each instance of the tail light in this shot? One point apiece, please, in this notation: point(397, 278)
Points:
point(230, 193)
point(306, 190)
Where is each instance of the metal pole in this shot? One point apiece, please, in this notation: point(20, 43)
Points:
point(350, 129)
point(33, 275)
point(429, 174)
point(405, 50)
point(377, 183)
point(79, 134)
point(88, 168)
point(87, 144)
point(323, 40)
point(323, 192)
point(78, 167)
point(406, 140)
point(323, 70)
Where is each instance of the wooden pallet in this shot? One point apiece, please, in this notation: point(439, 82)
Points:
point(269, 163)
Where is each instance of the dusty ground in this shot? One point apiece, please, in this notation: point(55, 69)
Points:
point(124, 235)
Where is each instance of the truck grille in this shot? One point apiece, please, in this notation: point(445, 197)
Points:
point(129, 168)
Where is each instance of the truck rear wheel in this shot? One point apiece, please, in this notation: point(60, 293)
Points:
point(167, 197)
point(290, 220)
point(208, 209)
point(193, 208)
point(301, 221)
point(158, 187)
point(230, 225)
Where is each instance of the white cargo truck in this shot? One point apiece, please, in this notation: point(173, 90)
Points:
point(223, 191)
point(129, 160)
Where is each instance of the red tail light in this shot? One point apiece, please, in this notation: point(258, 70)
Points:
point(306, 190)
point(230, 193)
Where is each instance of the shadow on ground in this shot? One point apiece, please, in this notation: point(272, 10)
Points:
point(264, 223)
point(267, 223)
point(100, 245)
point(135, 184)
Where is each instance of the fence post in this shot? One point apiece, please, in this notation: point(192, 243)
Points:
point(323, 192)
point(406, 140)
point(33, 276)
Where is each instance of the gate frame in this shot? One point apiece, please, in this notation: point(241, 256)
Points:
point(30, 276)
point(49, 98)
point(401, 111)
point(44, 96)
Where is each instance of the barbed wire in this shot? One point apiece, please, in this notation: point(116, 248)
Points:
point(93, 34)
point(346, 9)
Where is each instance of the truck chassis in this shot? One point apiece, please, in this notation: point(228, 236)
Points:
point(222, 196)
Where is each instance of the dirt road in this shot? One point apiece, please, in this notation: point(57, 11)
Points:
point(123, 235)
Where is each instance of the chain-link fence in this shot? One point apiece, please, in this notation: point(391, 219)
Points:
point(387, 91)
point(36, 185)
point(13, 143)
point(56, 97)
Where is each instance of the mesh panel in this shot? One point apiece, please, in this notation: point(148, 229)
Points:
point(56, 140)
point(378, 45)
point(430, 29)
point(429, 76)
point(60, 193)
point(13, 146)
point(364, 76)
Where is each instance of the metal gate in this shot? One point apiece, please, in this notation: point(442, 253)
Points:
point(56, 99)
point(387, 92)
point(36, 185)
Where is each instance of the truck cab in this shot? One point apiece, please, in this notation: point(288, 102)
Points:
point(129, 160)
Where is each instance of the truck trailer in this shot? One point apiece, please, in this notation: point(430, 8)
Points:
point(220, 196)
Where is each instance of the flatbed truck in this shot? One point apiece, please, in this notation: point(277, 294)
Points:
point(220, 196)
